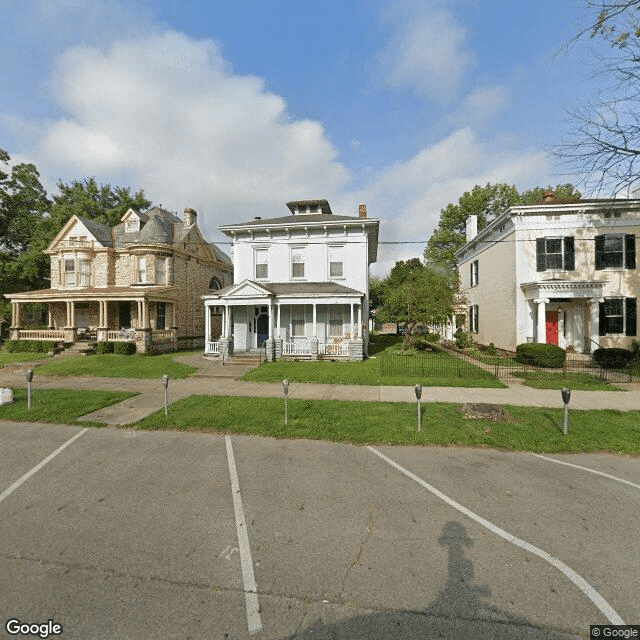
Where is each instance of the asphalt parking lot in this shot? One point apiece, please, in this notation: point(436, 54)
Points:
point(126, 534)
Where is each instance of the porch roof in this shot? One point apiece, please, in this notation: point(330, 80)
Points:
point(563, 289)
point(288, 289)
point(95, 293)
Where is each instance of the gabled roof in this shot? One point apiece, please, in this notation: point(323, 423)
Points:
point(100, 231)
point(159, 228)
point(220, 255)
point(288, 289)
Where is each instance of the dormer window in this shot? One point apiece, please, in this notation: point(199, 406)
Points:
point(132, 224)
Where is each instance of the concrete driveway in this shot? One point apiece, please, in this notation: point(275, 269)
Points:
point(125, 534)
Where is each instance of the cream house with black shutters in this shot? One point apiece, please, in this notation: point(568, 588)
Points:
point(140, 280)
point(556, 272)
point(301, 285)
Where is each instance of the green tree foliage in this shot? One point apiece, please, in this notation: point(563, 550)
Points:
point(487, 203)
point(414, 293)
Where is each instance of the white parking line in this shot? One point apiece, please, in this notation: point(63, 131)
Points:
point(577, 466)
point(254, 622)
point(578, 580)
point(26, 476)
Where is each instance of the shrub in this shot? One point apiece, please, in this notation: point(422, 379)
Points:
point(124, 348)
point(463, 339)
point(104, 347)
point(34, 346)
point(541, 355)
point(424, 342)
point(613, 358)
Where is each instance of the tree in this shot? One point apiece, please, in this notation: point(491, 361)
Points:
point(414, 293)
point(487, 203)
point(603, 144)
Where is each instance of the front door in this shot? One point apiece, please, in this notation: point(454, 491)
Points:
point(262, 328)
point(552, 327)
point(124, 309)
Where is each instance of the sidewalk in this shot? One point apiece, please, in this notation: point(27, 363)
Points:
point(215, 380)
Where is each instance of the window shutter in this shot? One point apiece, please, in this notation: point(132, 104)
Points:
point(630, 251)
point(477, 319)
point(471, 280)
point(602, 329)
point(541, 257)
point(599, 253)
point(630, 313)
point(569, 254)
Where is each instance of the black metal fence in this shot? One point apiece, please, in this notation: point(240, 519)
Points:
point(442, 363)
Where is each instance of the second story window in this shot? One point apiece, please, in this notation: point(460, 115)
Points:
point(77, 272)
point(141, 270)
point(261, 264)
point(161, 270)
point(297, 263)
point(475, 273)
point(336, 264)
point(69, 272)
point(616, 250)
point(555, 254)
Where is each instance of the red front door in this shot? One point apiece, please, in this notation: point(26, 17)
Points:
point(552, 327)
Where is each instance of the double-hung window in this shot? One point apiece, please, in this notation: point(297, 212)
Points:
point(616, 250)
point(84, 269)
point(141, 270)
point(77, 272)
point(618, 316)
point(161, 315)
point(69, 272)
point(261, 264)
point(297, 263)
point(161, 270)
point(473, 318)
point(555, 254)
point(335, 321)
point(298, 320)
point(336, 261)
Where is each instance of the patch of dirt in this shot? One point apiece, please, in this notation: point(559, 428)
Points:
point(483, 411)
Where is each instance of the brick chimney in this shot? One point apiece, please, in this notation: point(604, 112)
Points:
point(472, 227)
point(549, 196)
point(190, 216)
point(362, 211)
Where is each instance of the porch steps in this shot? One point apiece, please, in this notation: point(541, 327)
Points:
point(253, 359)
point(72, 349)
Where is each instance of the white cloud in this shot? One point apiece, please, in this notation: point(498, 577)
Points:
point(426, 52)
point(167, 113)
point(408, 197)
point(481, 106)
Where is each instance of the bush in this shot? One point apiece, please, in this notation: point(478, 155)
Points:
point(34, 346)
point(541, 355)
point(124, 348)
point(613, 358)
point(104, 347)
point(463, 339)
point(424, 342)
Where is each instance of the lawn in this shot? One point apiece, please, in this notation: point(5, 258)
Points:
point(368, 372)
point(528, 429)
point(24, 356)
point(116, 366)
point(573, 380)
point(59, 405)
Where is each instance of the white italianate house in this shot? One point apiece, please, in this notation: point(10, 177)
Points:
point(555, 272)
point(301, 286)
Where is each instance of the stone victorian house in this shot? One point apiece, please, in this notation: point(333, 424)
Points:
point(140, 280)
point(555, 272)
point(301, 285)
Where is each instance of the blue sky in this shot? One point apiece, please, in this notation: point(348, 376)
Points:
point(234, 108)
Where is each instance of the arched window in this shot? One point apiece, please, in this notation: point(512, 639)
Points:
point(215, 283)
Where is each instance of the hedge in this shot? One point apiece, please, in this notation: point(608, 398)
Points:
point(613, 358)
point(541, 355)
point(35, 346)
point(104, 347)
point(124, 348)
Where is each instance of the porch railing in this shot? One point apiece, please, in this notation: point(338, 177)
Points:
point(122, 335)
point(335, 349)
point(296, 349)
point(212, 347)
point(41, 334)
point(162, 334)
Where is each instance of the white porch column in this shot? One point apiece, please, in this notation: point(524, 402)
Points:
point(352, 320)
point(270, 307)
point(594, 322)
point(227, 321)
point(278, 320)
point(315, 319)
point(14, 314)
point(562, 343)
point(541, 332)
point(49, 316)
point(145, 314)
point(358, 330)
point(173, 314)
point(207, 324)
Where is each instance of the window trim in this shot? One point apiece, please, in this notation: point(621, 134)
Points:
point(302, 310)
point(567, 253)
point(629, 317)
point(628, 252)
point(473, 319)
point(302, 249)
point(265, 264)
point(475, 273)
point(339, 250)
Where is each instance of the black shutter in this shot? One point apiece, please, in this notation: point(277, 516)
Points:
point(541, 256)
point(477, 272)
point(569, 254)
point(471, 274)
point(602, 330)
point(630, 315)
point(477, 320)
point(630, 251)
point(599, 254)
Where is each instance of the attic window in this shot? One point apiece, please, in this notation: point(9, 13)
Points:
point(132, 224)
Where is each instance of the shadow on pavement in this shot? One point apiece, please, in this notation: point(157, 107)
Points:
point(462, 610)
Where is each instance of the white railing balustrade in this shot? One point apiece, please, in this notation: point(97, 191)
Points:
point(41, 334)
point(336, 349)
point(162, 334)
point(296, 349)
point(122, 335)
point(212, 347)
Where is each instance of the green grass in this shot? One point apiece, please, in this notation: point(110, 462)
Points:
point(59, 405)
point(572, 380)
point(367, 372)
point(25, 356)
point(529, 428)
point(114, 366)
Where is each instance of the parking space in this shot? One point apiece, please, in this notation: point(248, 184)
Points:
point(131, 534)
